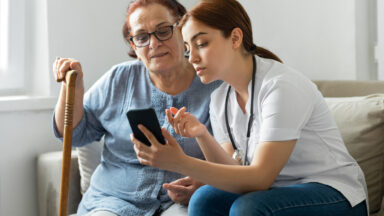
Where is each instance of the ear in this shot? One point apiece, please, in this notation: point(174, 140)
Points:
point(135, 49)
point(132, 45)
point(237, 37)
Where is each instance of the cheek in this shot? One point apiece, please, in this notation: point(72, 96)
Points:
point(214, 58)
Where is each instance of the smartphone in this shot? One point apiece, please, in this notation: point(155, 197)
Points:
point(148, 118)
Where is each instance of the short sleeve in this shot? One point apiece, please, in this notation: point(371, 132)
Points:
point(285, 109)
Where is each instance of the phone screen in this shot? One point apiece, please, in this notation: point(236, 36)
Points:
point(148, 118)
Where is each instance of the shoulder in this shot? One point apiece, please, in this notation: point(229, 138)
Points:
point(220, 91)
point(121, 72)
point(126, 68)
point(280, 76)
point(218, 96)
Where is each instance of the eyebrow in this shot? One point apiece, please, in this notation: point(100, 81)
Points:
point(158, 25)
point(197, 35)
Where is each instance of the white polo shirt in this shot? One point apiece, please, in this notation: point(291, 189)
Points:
point(288, 106)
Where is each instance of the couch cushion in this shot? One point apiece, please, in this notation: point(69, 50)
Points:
point(89, 158)
point(361, 123)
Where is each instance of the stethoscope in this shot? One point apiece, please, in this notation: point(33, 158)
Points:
point(239, 154)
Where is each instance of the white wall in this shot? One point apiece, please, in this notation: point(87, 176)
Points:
point(324, 39)
point(88, 30)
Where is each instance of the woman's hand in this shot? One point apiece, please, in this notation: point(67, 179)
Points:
point(181, 190)
point(60, 68)
point(169, 156)
point(63, 65)
point(184, 123)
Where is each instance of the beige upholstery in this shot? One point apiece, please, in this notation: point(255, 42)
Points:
point(349, 88)
point(361, 124)
point(48, 183)
point(328, 89)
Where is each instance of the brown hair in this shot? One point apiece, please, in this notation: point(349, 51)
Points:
point(225, 15)
point(176, 9)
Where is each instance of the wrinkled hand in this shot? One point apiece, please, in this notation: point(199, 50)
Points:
point(184, 123)
point(169, 156)
point(181, 190)
point(63, 65)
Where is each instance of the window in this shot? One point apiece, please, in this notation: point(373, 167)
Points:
point(380, 40)
point(3, 35)
point(12, 46)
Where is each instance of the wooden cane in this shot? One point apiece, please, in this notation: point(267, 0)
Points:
point(70, 79)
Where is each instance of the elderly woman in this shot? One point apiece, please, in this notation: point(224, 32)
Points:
point(160, 78)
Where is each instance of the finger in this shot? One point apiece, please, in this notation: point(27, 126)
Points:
point(174, 110)
point(63, 68)
point(54, 67)
point(148, 134)
point(179, 114)
point(170, 139)
point(169, 116)
point(144, 162)
point(139, 145)
point(181, 126)
point(186, 181)
point(176, 188)
point(75, 65)
point(177, 119)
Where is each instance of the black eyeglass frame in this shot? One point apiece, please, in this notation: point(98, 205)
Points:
point(155, 34)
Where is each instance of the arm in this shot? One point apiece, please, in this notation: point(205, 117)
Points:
point(269, 160)
point(187, 125)
point(60, 68)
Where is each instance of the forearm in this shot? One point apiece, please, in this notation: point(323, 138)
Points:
point(213, 151)
point(232, 178)
point(60, 108)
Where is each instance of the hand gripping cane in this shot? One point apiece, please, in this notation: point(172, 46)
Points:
point(70, 79)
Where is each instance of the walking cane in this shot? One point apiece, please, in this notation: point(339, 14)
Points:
point(70, 79)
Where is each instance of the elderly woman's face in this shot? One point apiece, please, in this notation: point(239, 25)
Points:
point(158, 56)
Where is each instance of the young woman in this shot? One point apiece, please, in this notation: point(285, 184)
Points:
point(288, 155)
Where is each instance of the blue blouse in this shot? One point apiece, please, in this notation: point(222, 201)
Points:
point(120, 184)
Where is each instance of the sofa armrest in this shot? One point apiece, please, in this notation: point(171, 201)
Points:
point(48, 183)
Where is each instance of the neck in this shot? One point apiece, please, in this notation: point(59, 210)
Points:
point(174, 81)
point(239, 76)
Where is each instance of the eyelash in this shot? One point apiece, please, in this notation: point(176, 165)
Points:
point(202, 44)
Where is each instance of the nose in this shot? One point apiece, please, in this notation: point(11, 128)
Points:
point(154, 42)
point(193, 56)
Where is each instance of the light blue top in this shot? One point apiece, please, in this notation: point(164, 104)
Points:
point(120, 183)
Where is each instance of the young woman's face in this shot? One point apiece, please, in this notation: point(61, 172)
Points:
point(158, 56)
point(209, 52)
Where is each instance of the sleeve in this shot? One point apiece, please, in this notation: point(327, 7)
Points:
point(285, 109)
point(95, 102)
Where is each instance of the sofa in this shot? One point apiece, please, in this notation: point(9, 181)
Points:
point(357, 107)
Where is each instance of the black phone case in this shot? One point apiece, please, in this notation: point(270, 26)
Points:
point(148, 118)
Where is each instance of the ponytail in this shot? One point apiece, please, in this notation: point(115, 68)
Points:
point(264, 53)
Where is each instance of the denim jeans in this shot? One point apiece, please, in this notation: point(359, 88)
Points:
point(308, 199)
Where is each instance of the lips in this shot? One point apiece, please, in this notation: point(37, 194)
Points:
point(158, 55)
point(199, 70)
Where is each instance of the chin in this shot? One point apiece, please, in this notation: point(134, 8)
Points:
point(160, 67)
point(206, 80)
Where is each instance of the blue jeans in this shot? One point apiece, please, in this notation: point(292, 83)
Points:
point(309, 199)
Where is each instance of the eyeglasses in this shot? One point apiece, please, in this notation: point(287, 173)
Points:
point(162, 34)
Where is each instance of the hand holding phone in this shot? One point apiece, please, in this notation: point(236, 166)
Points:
point(148, 118)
